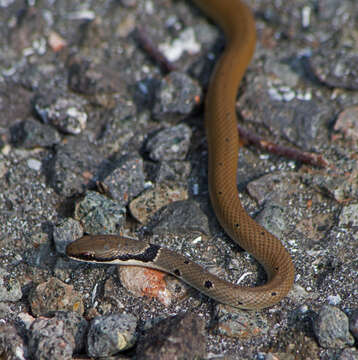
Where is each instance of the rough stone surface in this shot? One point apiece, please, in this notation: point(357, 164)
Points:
point(10, 289)
point(65, 113)
point(353, 323)
point(65, 232)
point(76, 325)
point(152, 284)
point(178, 337)
point(127, 180)
point(31, 133)
point(332, 329)
point(110, 334)
point(55, 295)
point(180, 217)
point(75, 165)
point(99, 214)
point(150, 201)
point(170, 144)
point(177, 95)
point(12, 346)
point(49, 339)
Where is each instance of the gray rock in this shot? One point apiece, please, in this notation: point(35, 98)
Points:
point(99, 214)
point(178, 337)
point(331, 328)
point(180, 217)
point(336, 67)
point(348, 354)
point(170, 144)
point(31, 133)
point(65, 232)
point(11, 344)
point(76, 325)
point(65, 112)
point(89, 78)
point(177, 96)
point(349, 216)
point(127, 179)
point(75, 165)
point(173, 171)
point(301, 122)
point(50, 339)
point(110, 334)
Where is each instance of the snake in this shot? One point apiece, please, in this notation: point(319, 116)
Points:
point(237, 22)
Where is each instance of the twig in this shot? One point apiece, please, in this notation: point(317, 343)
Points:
point(289, 152)
point(153, 51)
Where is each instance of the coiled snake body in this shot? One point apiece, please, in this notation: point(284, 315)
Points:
point(237, 22)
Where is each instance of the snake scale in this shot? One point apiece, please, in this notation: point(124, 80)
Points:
point(237, 22)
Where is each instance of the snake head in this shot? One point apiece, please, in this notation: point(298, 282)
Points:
point(94, 248)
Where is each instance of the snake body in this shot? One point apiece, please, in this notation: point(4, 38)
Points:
point(237, 22)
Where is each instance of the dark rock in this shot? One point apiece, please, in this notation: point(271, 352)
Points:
point(170, 144)
point(336, 67)
point(65, 232)
point(75, 165)
point(127, 179)
point(178, 337)
point(64, 111)
point(180, 217)
point(177, 96)
point(90, 79)
point(31, 133)
point(353, 323)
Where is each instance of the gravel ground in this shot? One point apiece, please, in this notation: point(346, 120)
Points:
point(97, 137)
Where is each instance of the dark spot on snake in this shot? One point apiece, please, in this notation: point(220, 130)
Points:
point(177, 272)
point(220, 192)
point(273, 294)
point(186, 262)
point(239, 303)
point(227, 139)
point(262, 233)
point(208, 284)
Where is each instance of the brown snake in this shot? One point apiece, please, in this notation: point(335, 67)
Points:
point(237, 22)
